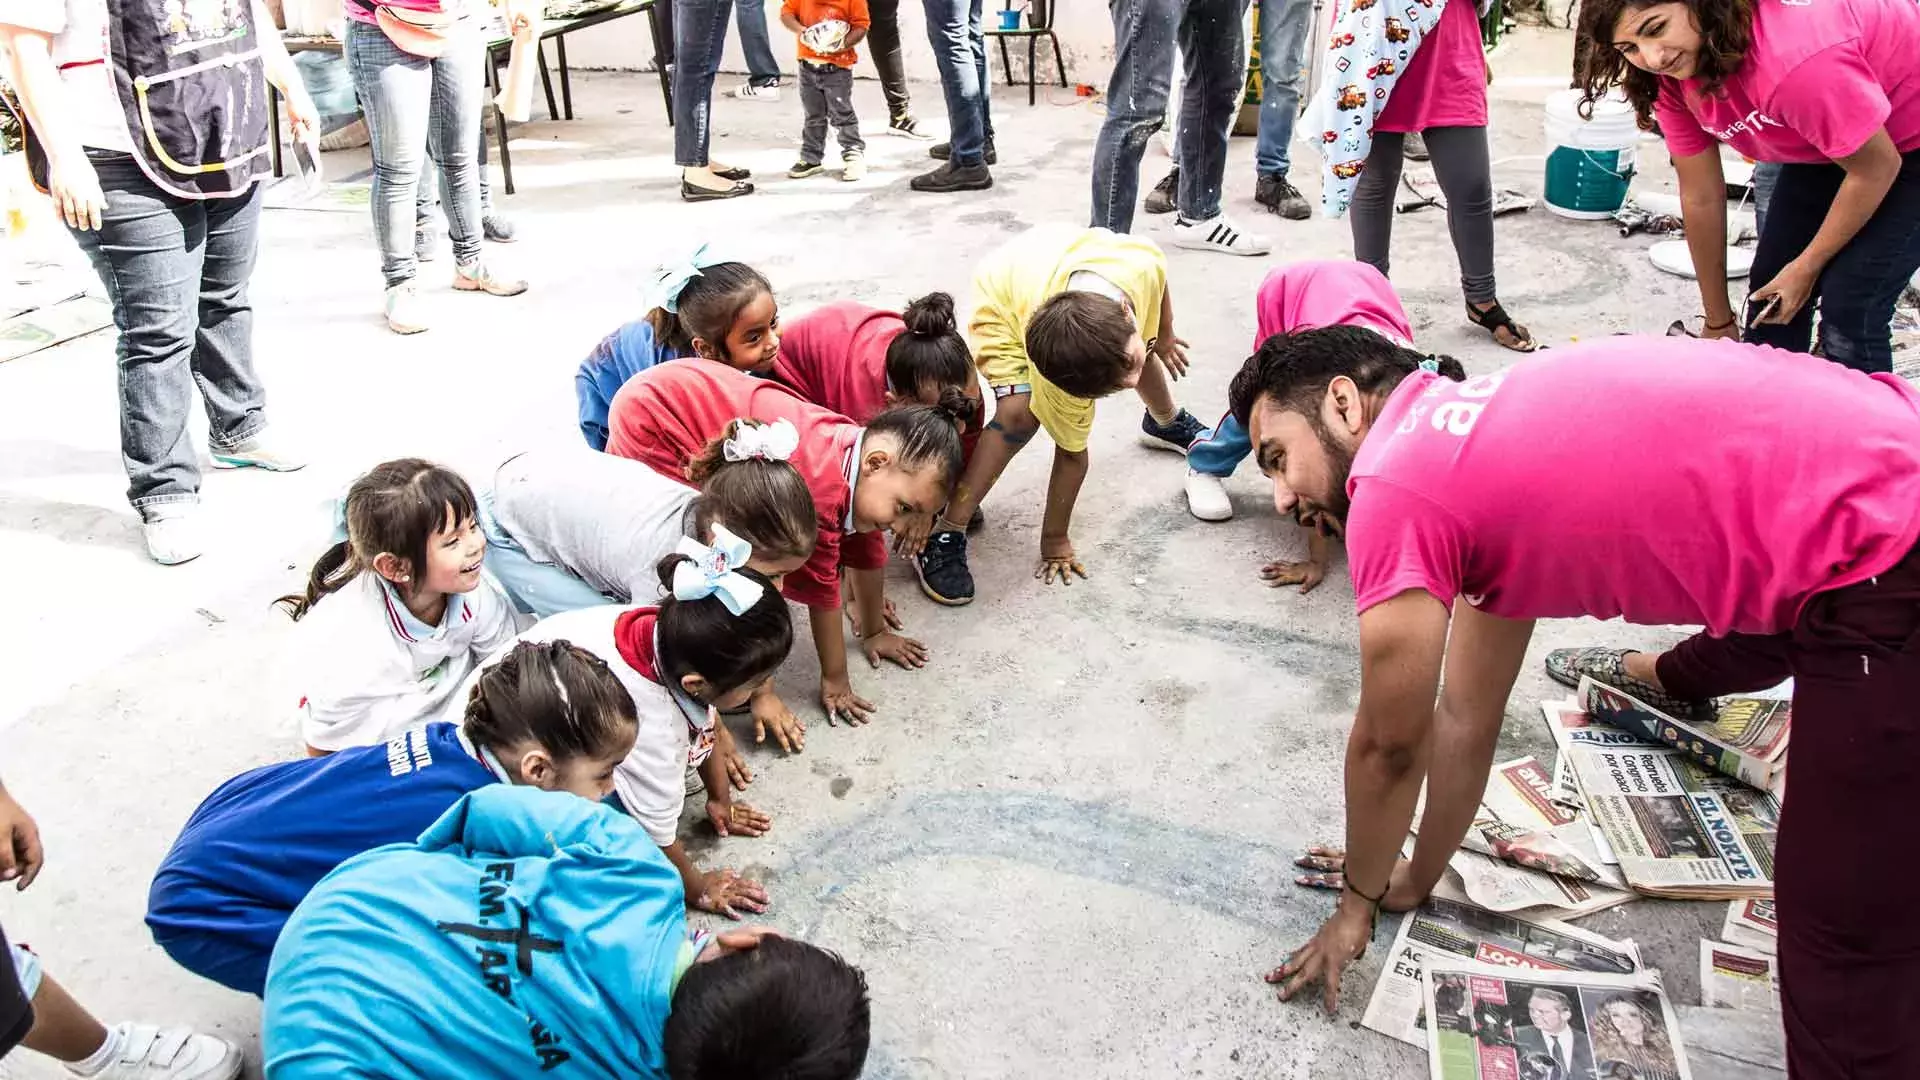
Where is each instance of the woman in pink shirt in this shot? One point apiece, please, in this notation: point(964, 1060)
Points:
point(1829, 88)
point(1771, 498)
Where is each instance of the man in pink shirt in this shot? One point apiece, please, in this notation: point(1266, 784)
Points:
point(1772, 498)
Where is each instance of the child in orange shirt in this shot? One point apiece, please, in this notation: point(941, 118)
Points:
point(829, 30)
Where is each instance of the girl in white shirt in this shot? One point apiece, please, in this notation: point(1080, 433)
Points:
point(715, 638)
point(414, 613)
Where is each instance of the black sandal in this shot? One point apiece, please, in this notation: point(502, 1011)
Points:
point(734, 174)
point(695, 193)
point(1495, 319)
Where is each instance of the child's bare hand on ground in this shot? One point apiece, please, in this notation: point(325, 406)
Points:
point(727, 893)
point(731, 818)
point(1307, 575)
point(1172, 352)
point(910, 537)
point(841, 703)
point(887, 645)
point(769, 712)
point(738, 773)
point(1057, 561)
point(892, 614)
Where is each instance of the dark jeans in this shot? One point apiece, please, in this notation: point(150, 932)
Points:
point(1213, 45)
point(1849, 952)
point(751, 18)
point(826, 93)
point(953, 29)
point(699, 35)
point(1857, 291)
point(1466, 177)
point(883, 42)
point(176, 272)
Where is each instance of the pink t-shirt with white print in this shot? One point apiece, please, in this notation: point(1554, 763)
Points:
point(1328, 292)
point(1820, 78)
point(1663, 480)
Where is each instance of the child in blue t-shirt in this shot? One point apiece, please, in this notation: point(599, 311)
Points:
point(550, 716)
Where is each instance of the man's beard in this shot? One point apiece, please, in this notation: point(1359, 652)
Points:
point(1330, 519)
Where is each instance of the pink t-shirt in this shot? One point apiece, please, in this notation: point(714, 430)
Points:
point(1663, 480)
point(1821, 77)
point(357, 13)
point(1332, 292)
point(1445, 83)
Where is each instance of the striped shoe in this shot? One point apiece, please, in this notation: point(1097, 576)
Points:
point(1607, 666)
point(1217, 234)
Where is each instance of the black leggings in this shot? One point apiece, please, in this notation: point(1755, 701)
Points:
point(1461, 166)
point(883, 39)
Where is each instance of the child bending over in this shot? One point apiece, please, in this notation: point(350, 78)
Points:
point(828, 30)
point(703, 307)
point(715, 638)
point(550, 716)
point(529, 934)
point(1065, 315)
point(681, 420)
point(1292, 298)
point(414, 610)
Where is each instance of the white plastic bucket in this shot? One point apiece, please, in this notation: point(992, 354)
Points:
point(1589, 162)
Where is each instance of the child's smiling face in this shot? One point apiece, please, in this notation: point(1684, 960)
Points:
point(454, 555)
point(753, 341)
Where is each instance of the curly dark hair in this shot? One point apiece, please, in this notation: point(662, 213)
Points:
point(1726, 33)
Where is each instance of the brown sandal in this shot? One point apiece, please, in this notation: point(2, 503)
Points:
point(1495, 319)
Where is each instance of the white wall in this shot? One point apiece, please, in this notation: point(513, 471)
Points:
point(1084, 27)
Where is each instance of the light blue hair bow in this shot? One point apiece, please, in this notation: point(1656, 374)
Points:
point(670, 278)
point(714, 571)
point(1430, 364)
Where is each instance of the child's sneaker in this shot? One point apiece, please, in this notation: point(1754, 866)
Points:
point(803, 169)
point(146, 1052)
point(747, 91)
point(256, 453)
point(853, 166)
point(404, 315)
point(1207, 497)
point(942, 567)
point(173, 534)
point(906, 126)
point(1217, 234)
point(475, 277)
point(1176, 435)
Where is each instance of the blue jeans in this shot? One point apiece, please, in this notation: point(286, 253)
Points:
point(1285, 26)
point(1765, 175)
point(176, 273)
point(699, 36)
point(1213, 48)
point(1221, 450)
point(540, 589)
point(406, 96)
point(1857, 291)
point(751, 17)
point(953, 30)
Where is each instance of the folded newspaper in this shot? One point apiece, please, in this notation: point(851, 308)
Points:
point(1752, 924)
point(1679, 829)
point(1746, 739)
point(1496, 1023)
point(1732, 977)
point(1447, 930)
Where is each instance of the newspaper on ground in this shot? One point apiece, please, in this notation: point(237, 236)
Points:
point(1732, 977)
point(1746, 738)
point(1446, 929)
point(1504, 887)
point(1564, 717)
point(1497, 1023)
point(1753, 924)
point(1680, 830)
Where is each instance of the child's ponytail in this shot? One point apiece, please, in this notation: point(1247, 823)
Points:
point(929, 434)
point(930, 354)
point(555, 695)
point(703, 636)
point(332, 570)
point(396, 508)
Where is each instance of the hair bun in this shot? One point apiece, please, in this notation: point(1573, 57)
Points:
point(955, 405)
point(930, 315)
point(665, 568)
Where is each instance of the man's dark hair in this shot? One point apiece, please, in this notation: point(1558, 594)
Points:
point(1295, 369)
point(1077, 340)
point(785, 1010)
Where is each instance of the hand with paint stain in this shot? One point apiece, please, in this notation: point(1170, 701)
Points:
point(1057, 561)
point(841, 703)
point(731, 818)
point(723, 892)
point(770, 712)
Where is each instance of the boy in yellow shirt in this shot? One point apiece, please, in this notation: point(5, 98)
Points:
point(1063, 315)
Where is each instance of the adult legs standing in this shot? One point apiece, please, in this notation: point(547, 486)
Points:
point(953, 30)
point(763, 70)
point(883, 42)
point(1285, 26)
point(1144, 33)
point(700, 28)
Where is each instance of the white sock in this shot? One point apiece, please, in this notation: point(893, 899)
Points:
point(101, 1058)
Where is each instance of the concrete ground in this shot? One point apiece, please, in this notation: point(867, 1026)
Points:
point(1065, 843)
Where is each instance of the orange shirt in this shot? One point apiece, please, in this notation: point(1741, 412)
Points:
point(851, 12)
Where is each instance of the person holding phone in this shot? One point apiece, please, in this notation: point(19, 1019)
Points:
point(1830, 91)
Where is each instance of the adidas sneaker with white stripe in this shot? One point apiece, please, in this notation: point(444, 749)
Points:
point(1218, 234)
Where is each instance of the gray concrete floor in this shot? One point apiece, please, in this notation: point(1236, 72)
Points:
point(1065, 843)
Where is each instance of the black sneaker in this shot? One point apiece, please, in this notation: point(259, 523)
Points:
point(950, 177)
point(803, 169)
point(1276, 194)
point(941, 151)
point(1183, 431)
point(976, 521)
point(905, 125)
point(1161, 199)
point(497, 229)
point(942, 567)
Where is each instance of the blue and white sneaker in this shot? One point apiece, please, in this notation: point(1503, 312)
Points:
point(1176, 435)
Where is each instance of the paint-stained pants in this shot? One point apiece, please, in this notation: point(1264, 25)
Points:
point(1849, 945)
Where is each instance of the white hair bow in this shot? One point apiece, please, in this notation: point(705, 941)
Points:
point(714, 571)
point(774, 442)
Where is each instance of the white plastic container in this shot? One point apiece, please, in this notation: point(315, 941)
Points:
point(1590, 162)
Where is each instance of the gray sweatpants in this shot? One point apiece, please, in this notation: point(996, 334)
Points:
point(1465, 174)
point(826, 92)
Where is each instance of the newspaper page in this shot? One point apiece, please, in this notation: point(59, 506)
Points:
point(1746, 738)
point(1519, 821)
point(1679, 829)
point(1735, 978)
point(1496, 1023)
point(1563, 718)
point(1753, 924)
point(1446, 929)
